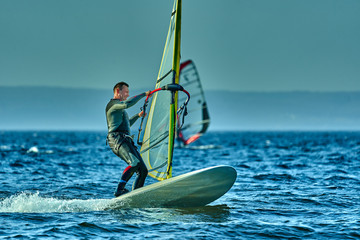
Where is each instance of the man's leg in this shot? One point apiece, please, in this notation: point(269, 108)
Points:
point(141, 174)
point(141, 171)
point(127, 174)
point(128, 152)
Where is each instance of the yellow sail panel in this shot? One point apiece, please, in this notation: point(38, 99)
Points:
point(158, 138)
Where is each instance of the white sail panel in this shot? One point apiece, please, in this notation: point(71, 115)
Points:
point(198, 118)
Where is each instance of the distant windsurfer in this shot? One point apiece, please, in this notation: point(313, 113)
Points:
point(119, 139)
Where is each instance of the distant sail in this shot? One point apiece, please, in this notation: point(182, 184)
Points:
point(198, 119)
point(158, 138)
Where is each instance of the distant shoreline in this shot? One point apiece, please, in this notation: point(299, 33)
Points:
point(74, 109)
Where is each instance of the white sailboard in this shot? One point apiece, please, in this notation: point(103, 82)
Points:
point(192, 189)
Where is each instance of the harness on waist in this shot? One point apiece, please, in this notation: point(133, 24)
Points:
point(123, 135)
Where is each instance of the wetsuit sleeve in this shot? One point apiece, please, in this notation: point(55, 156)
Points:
point(133, 119)
point(130, 102)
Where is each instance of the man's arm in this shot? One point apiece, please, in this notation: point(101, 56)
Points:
point(136, 117)
point(130, 102)
point(133, 119)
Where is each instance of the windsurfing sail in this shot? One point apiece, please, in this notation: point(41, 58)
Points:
point(159, 134)
point(198, 118)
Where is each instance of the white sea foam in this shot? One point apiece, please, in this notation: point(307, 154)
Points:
point(33, 150)
point(33, 203)
point(4, 147)
point(204, 147)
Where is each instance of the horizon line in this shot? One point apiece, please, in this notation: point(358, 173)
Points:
point(209, 90)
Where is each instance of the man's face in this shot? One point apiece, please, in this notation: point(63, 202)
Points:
point(124, 93)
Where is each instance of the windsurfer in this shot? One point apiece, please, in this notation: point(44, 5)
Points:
point(119, 139)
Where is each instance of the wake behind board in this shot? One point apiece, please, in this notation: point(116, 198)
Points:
point(193, 189)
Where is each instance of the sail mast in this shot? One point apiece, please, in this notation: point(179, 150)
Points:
point(176, 70)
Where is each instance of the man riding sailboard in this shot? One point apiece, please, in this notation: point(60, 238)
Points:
point(119, 139)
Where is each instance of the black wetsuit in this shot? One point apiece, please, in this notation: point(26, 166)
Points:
point(121, 142)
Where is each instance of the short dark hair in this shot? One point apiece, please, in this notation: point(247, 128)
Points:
point(120, 85)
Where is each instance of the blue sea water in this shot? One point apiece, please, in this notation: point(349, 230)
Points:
point(290, 185)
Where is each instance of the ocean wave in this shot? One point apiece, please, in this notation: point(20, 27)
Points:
point(34, 203)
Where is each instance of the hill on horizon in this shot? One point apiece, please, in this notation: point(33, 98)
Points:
point(51, 108)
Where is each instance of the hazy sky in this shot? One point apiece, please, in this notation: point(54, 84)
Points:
point(256, 45)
